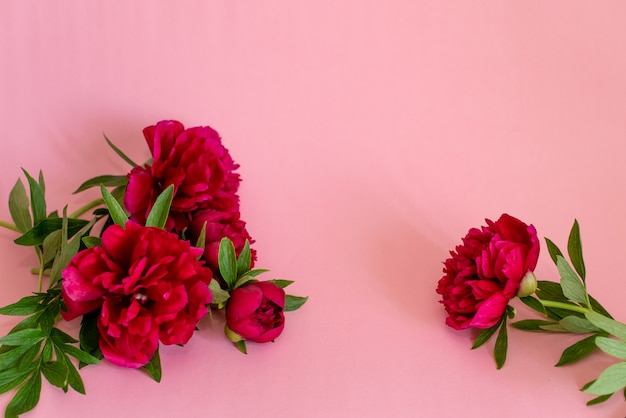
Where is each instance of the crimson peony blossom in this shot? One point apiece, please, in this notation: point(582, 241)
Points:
point(195, 162)
point(256, 311)
point(484, 274)
point(149, 286)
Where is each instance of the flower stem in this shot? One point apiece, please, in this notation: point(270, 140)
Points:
point(88, 206)
point(563, 305)
point(9, 225)
point(40, 273)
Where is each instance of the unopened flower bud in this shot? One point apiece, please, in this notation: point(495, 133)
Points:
point(528, 285)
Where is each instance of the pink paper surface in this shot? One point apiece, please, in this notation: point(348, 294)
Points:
point(371, 137)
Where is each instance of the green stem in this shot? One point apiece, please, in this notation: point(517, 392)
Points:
point(40, 273)
point(88, 206)
point(9, 225)
point(563, 305)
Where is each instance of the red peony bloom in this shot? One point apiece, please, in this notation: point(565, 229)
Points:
point(255, 311)
point(195, 162)
point(149, 285)
point(219, 225)
point(485, 272)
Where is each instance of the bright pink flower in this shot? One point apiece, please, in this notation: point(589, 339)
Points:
point(255, 311)
point(149, 285)
point(195, 162)
point(485, 272)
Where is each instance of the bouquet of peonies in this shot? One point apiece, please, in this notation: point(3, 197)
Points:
point(495, 264)
point(163, 247)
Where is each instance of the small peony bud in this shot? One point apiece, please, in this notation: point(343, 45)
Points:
point(528, 285)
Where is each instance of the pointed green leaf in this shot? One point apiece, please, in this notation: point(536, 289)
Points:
point(56, 373)
point(599, 399)
point(153, 368)
point(533, 303)
point(89, 335)
point(245, 260)
point(60, 338)
point(485, 334)
point(24, 337)
point(575, 250)
point(91, 242)
point(256, 272)
point(37, 199)
point(612, 347)
point(161, 209)
point(577, 351)
point(501, 346)
point(19, 207)
point(117, 213)
point(26, 397)
point(241, 346)
point(73, 377)
point(12, 378)
point(294, 302)
point(227, 261)
point(595, 305)
point(578, 325)
point(26, 306)
point(201, 242)
point(553, 250)
point(10, 358)
point(573, 288)
point(244, 280)
point(79, 354)
point(38, 234)
point(610, 381)
point(220, 295)
point(107, 181)
point(282, 283)
point(554, 328)
point(547, 290)
point(119, 152)
point(606, 324)
point(534, 325)
point(51, 246)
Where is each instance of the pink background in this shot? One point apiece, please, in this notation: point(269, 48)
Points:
point(371, 137)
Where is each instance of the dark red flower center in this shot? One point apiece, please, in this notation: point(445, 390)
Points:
point(268, 314)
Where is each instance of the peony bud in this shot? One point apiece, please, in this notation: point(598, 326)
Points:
point(528, 285)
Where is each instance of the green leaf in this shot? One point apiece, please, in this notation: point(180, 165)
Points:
point(106, 181)
point(501, 346)
point(26, 397)
point(227, 261)
point(51, 246)
point(244, 280)
point(201, 243)
point(294, 302)
point(612, 347)
point(241, 346)
point(610, 381)
point(42, 183)
point(68, 252)
point(91, 242)
point(37, 199)
point(28, 336)
point(606, 324)
point(60, 338)
point(161, 209)
point(115, 209)
point(39, 232)
point(19, 207)
point(485, 334)
point(533, 303)
point(282, 283)
point(245, 260)
point(599, 399)
point(553, 250)
point(220, 295)
point(153, 368)
point(554, 328)
point(256, 272)
point(56, 373)
point(595, 305)
point(10, 358)
point(578, 325)
point(577, 351)
point(12, 378)
point(573, 288)
point(79, 355)
point(26, 306)
point(89, 335)
point(534, 325)
point(575, 250)
point(73, 377)
point(120, 153)
point(547, 290)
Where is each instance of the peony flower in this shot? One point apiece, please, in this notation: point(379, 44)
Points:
point(255, 311)
point(219, 225)
point(195, 162)
point(485, 273)
point(149, 286)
